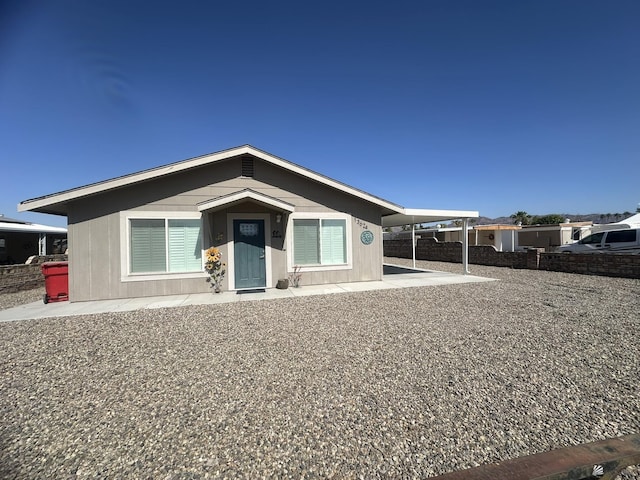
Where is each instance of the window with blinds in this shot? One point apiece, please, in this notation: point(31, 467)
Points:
point(161, 245)
point(334, 242)
point(306, 242)
point(185, 248)
point(319, 241)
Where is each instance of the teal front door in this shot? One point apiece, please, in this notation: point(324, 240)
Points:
point(249, 254)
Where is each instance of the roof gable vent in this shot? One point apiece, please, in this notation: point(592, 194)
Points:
point(247, 167)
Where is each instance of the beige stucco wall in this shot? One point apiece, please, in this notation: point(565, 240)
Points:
point(95, 224)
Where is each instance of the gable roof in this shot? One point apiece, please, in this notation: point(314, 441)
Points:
point(247, 193)
point(56, 203)
point(392, 214)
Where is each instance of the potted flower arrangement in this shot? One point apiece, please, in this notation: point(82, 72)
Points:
point(215, 268)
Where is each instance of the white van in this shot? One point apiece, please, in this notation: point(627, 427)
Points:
point(608, 241)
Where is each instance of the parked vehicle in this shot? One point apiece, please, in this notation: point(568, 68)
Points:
point(608, 241)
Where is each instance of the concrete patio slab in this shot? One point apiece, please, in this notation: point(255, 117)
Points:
point(394, 277)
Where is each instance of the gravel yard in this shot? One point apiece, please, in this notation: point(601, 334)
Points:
point(15, 299)
point(384, 384)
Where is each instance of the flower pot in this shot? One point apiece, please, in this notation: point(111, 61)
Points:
point(282, 284)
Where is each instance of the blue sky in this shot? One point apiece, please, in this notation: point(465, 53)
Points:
point(495, 106)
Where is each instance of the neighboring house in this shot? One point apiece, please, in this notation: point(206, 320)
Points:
point(440, 233)
point(443, 234)
point(144, 234)
point(20, 240)
point(502, 237)
point(551, 236)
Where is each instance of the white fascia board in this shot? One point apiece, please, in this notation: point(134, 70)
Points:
point(243, 195)
point(99, 187)
point(30, 228)
point(452, 214)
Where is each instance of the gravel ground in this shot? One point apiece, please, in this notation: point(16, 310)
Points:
point(10, 300)
point(405, 383)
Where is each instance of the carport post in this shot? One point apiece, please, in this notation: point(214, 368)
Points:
point(413, 243)
point(42, 244)
point(465, 246)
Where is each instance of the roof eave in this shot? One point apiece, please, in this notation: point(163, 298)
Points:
point(39, 204)
point(242, 195)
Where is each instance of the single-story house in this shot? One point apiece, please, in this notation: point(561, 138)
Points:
point(502, 237)
point(145, 234)
point(20, 240)
point(551, 236)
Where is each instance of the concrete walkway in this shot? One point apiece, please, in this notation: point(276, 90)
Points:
point(394, 277)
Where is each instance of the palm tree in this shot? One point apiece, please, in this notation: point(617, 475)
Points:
point(521, 217)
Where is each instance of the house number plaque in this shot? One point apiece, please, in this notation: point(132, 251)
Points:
point(366, 237)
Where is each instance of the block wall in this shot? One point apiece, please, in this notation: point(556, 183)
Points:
point(612, 265)
point(25, 276)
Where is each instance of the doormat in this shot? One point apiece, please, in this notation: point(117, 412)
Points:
point(253, 290)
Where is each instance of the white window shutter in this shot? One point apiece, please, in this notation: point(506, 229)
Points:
point(148, 251)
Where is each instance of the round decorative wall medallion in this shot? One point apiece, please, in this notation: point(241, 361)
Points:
point(366, 237)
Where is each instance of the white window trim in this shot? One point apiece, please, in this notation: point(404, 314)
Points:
point(125, 253)
point(319, 216)
point(267, 246)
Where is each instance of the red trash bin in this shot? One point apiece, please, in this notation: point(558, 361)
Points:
point(56, 281)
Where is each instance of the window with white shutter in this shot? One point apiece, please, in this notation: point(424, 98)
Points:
point(319, 241)
point(161, 245)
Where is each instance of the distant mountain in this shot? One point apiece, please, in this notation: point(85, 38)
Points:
point(590, 217)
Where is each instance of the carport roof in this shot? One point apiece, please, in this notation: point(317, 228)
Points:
point(30, 228)
point(410, 216)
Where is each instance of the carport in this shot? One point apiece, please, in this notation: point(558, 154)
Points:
point(412, 216)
